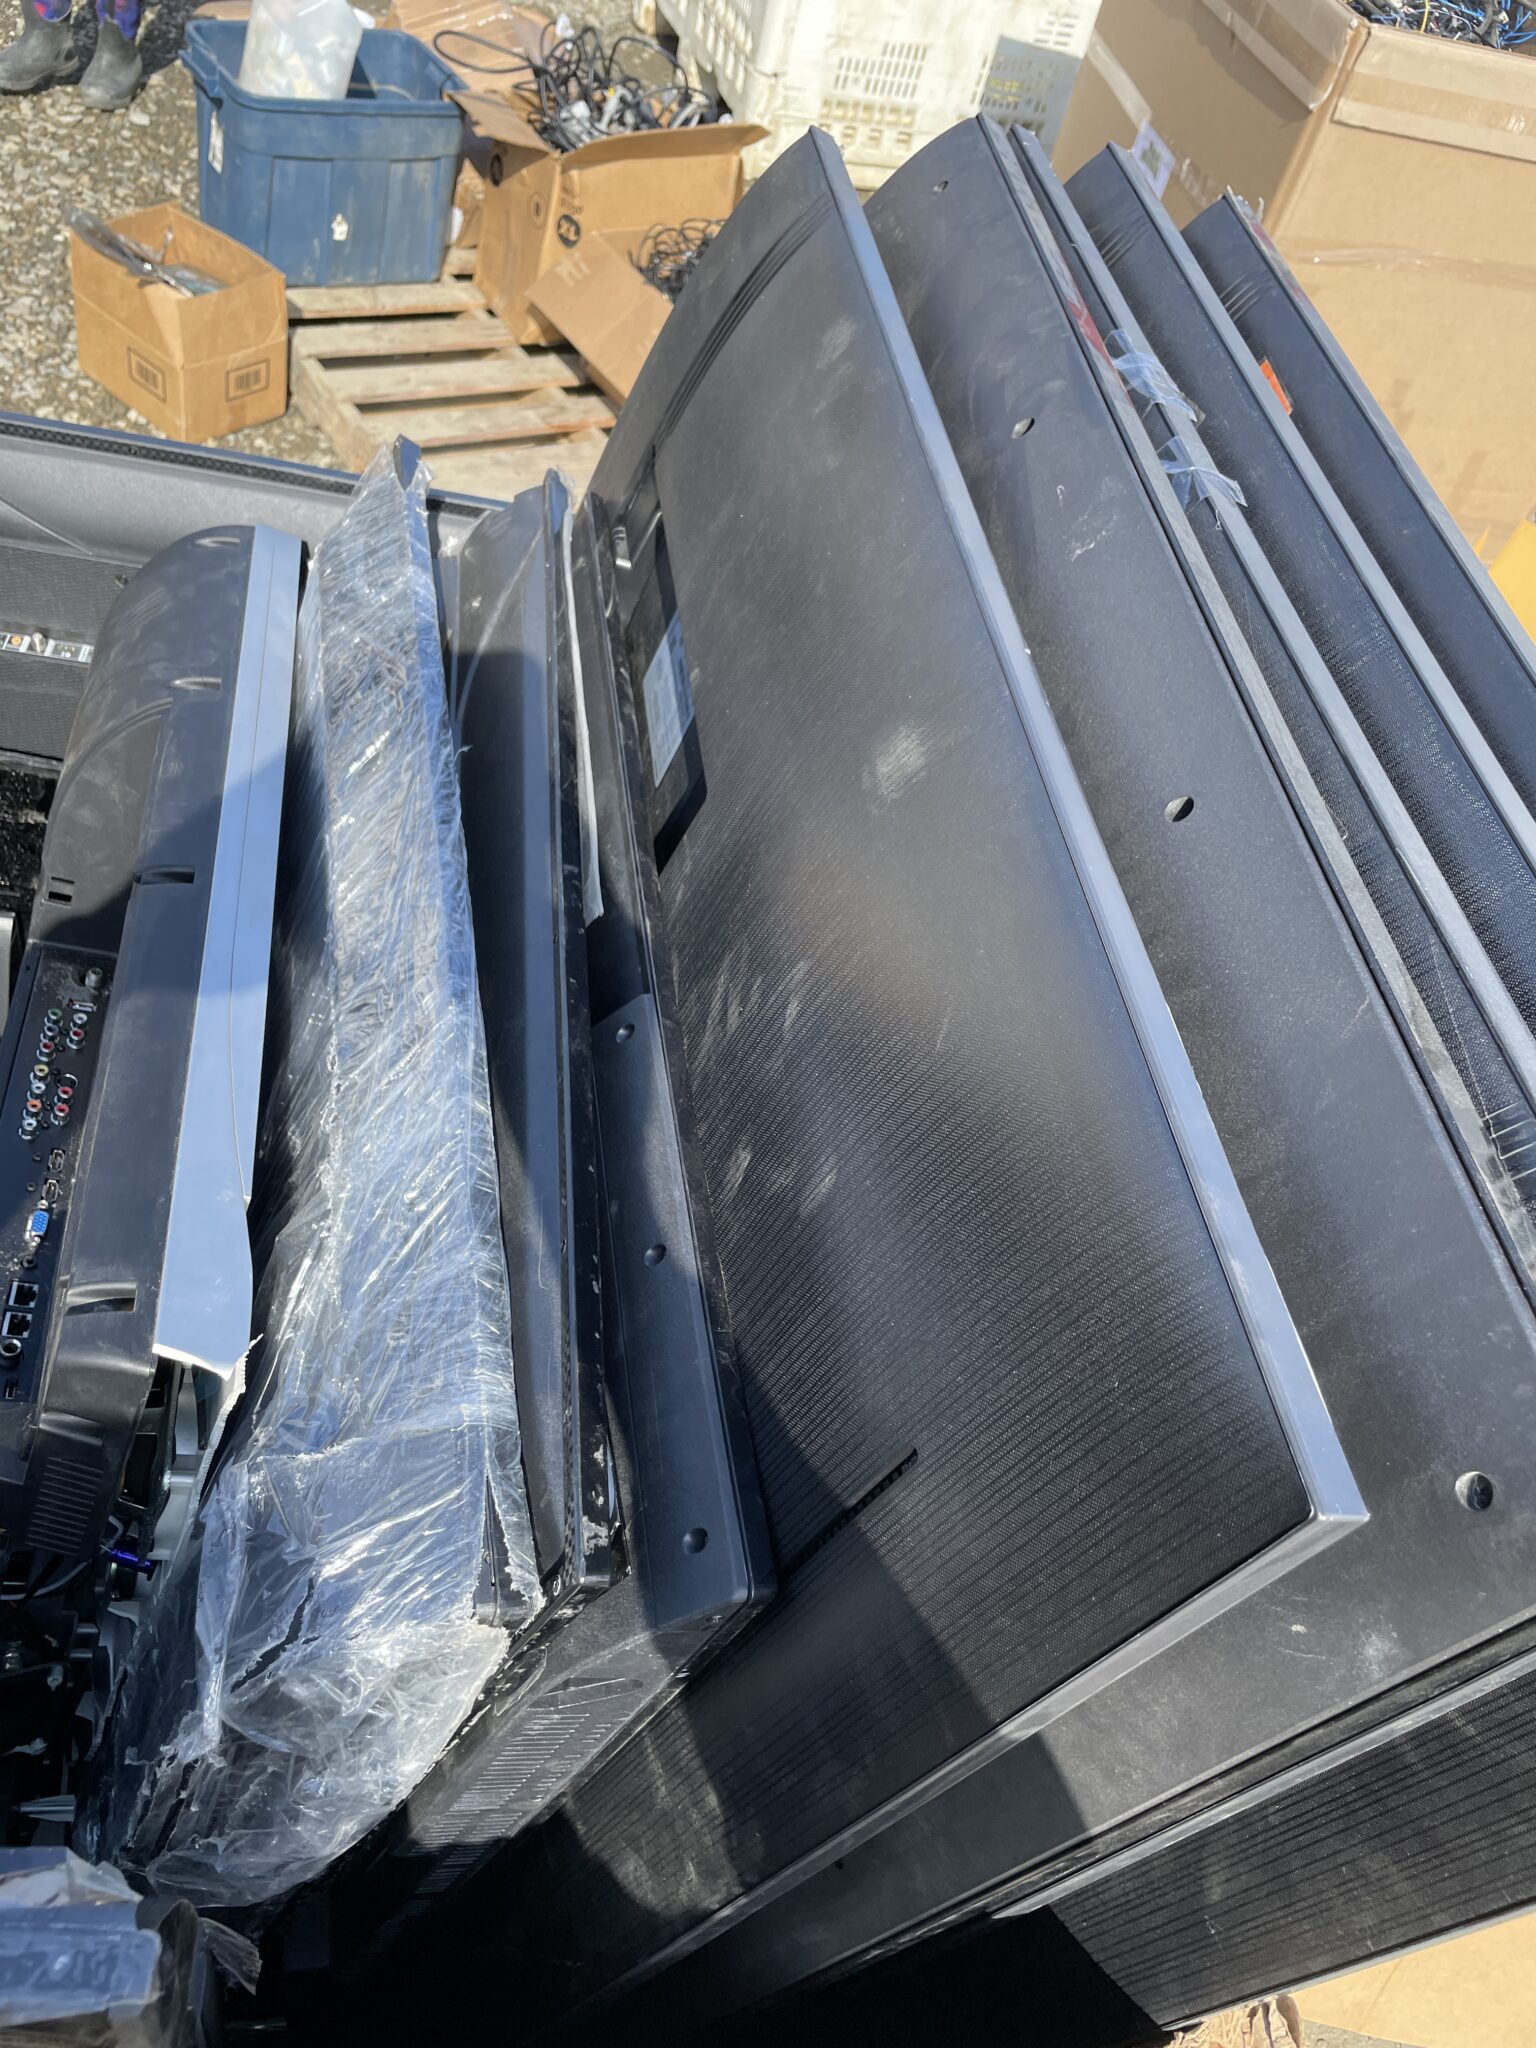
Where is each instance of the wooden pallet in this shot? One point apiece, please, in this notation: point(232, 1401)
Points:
point(431, 361)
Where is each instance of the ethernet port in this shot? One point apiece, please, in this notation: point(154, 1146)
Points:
point(14, 1325)
point(23, 1294)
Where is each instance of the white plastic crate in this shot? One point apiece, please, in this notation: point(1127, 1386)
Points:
point(881, 79)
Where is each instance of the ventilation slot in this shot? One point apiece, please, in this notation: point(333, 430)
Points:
point(64, 1503)
point(152, 875)
point(60, 890)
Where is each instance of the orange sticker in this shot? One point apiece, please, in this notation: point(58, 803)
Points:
point(1275, 385)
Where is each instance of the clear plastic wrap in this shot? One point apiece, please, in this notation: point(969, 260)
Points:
point(369, 1528)
point(86, 1963)
point(1193, 477)
point(1144, 374)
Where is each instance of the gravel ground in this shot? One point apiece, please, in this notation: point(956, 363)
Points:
point(54, 153)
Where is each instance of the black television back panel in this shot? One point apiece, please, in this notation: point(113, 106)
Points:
point(1026, 1402)
point(766, 1835)
point(1446, 590)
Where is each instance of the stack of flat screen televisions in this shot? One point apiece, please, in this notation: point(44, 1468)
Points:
point(1014, 806)
point(1086, 786)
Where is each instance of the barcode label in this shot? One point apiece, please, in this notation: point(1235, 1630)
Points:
point(668, 699)
point(1154, 157)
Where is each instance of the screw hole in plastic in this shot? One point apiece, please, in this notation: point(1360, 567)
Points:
point(1022, 427)
point(1475, 1491)
point(655, 1254)
point(1179, 809)
point(625, 1033)
point(695, 1540)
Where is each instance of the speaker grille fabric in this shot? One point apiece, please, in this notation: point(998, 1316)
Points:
point(1409, 1840)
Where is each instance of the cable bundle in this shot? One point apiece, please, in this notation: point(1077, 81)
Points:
point(585, 92)
point(1501, 26)
point(667, 255)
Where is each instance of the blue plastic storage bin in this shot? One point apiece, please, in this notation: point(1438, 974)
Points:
point(353, 191)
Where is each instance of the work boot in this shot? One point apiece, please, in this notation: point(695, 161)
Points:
point(112, 76)
point(44, 51)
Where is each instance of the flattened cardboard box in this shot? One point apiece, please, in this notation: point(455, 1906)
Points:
point(195, 368)
point(605, 309)
point(541, 204)
point(1397, 176)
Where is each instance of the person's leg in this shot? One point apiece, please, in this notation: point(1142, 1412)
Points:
point(113, 74)
point(44, 51)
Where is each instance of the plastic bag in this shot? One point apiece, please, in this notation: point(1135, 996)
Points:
point(300, 49)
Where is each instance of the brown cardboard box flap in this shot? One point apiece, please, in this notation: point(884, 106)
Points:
point(1434, 90)
point(522, 143)
point(711, 138)
point(605, 309)
point(1303, 43)
point(500, 122)
point(458, 31)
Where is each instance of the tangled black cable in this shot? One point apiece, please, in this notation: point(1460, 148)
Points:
point(1504, 24)
point(666, 256)
point(583, 90)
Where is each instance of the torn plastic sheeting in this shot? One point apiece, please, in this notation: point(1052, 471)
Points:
point(1142, 373)
point(374, 1508)
point(1194, 478)
point(72, 1949)
point(85, 1960)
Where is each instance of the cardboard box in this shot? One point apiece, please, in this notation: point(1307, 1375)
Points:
point(1397, 175)
point(195, 368)
point(605, 309)
point(540, 204)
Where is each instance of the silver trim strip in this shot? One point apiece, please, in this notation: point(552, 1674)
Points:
point(204, 1311)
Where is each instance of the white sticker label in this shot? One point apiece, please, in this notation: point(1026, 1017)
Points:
point(216, 142)
point(668, 699)
point(1154, 157)
point(339, 228)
